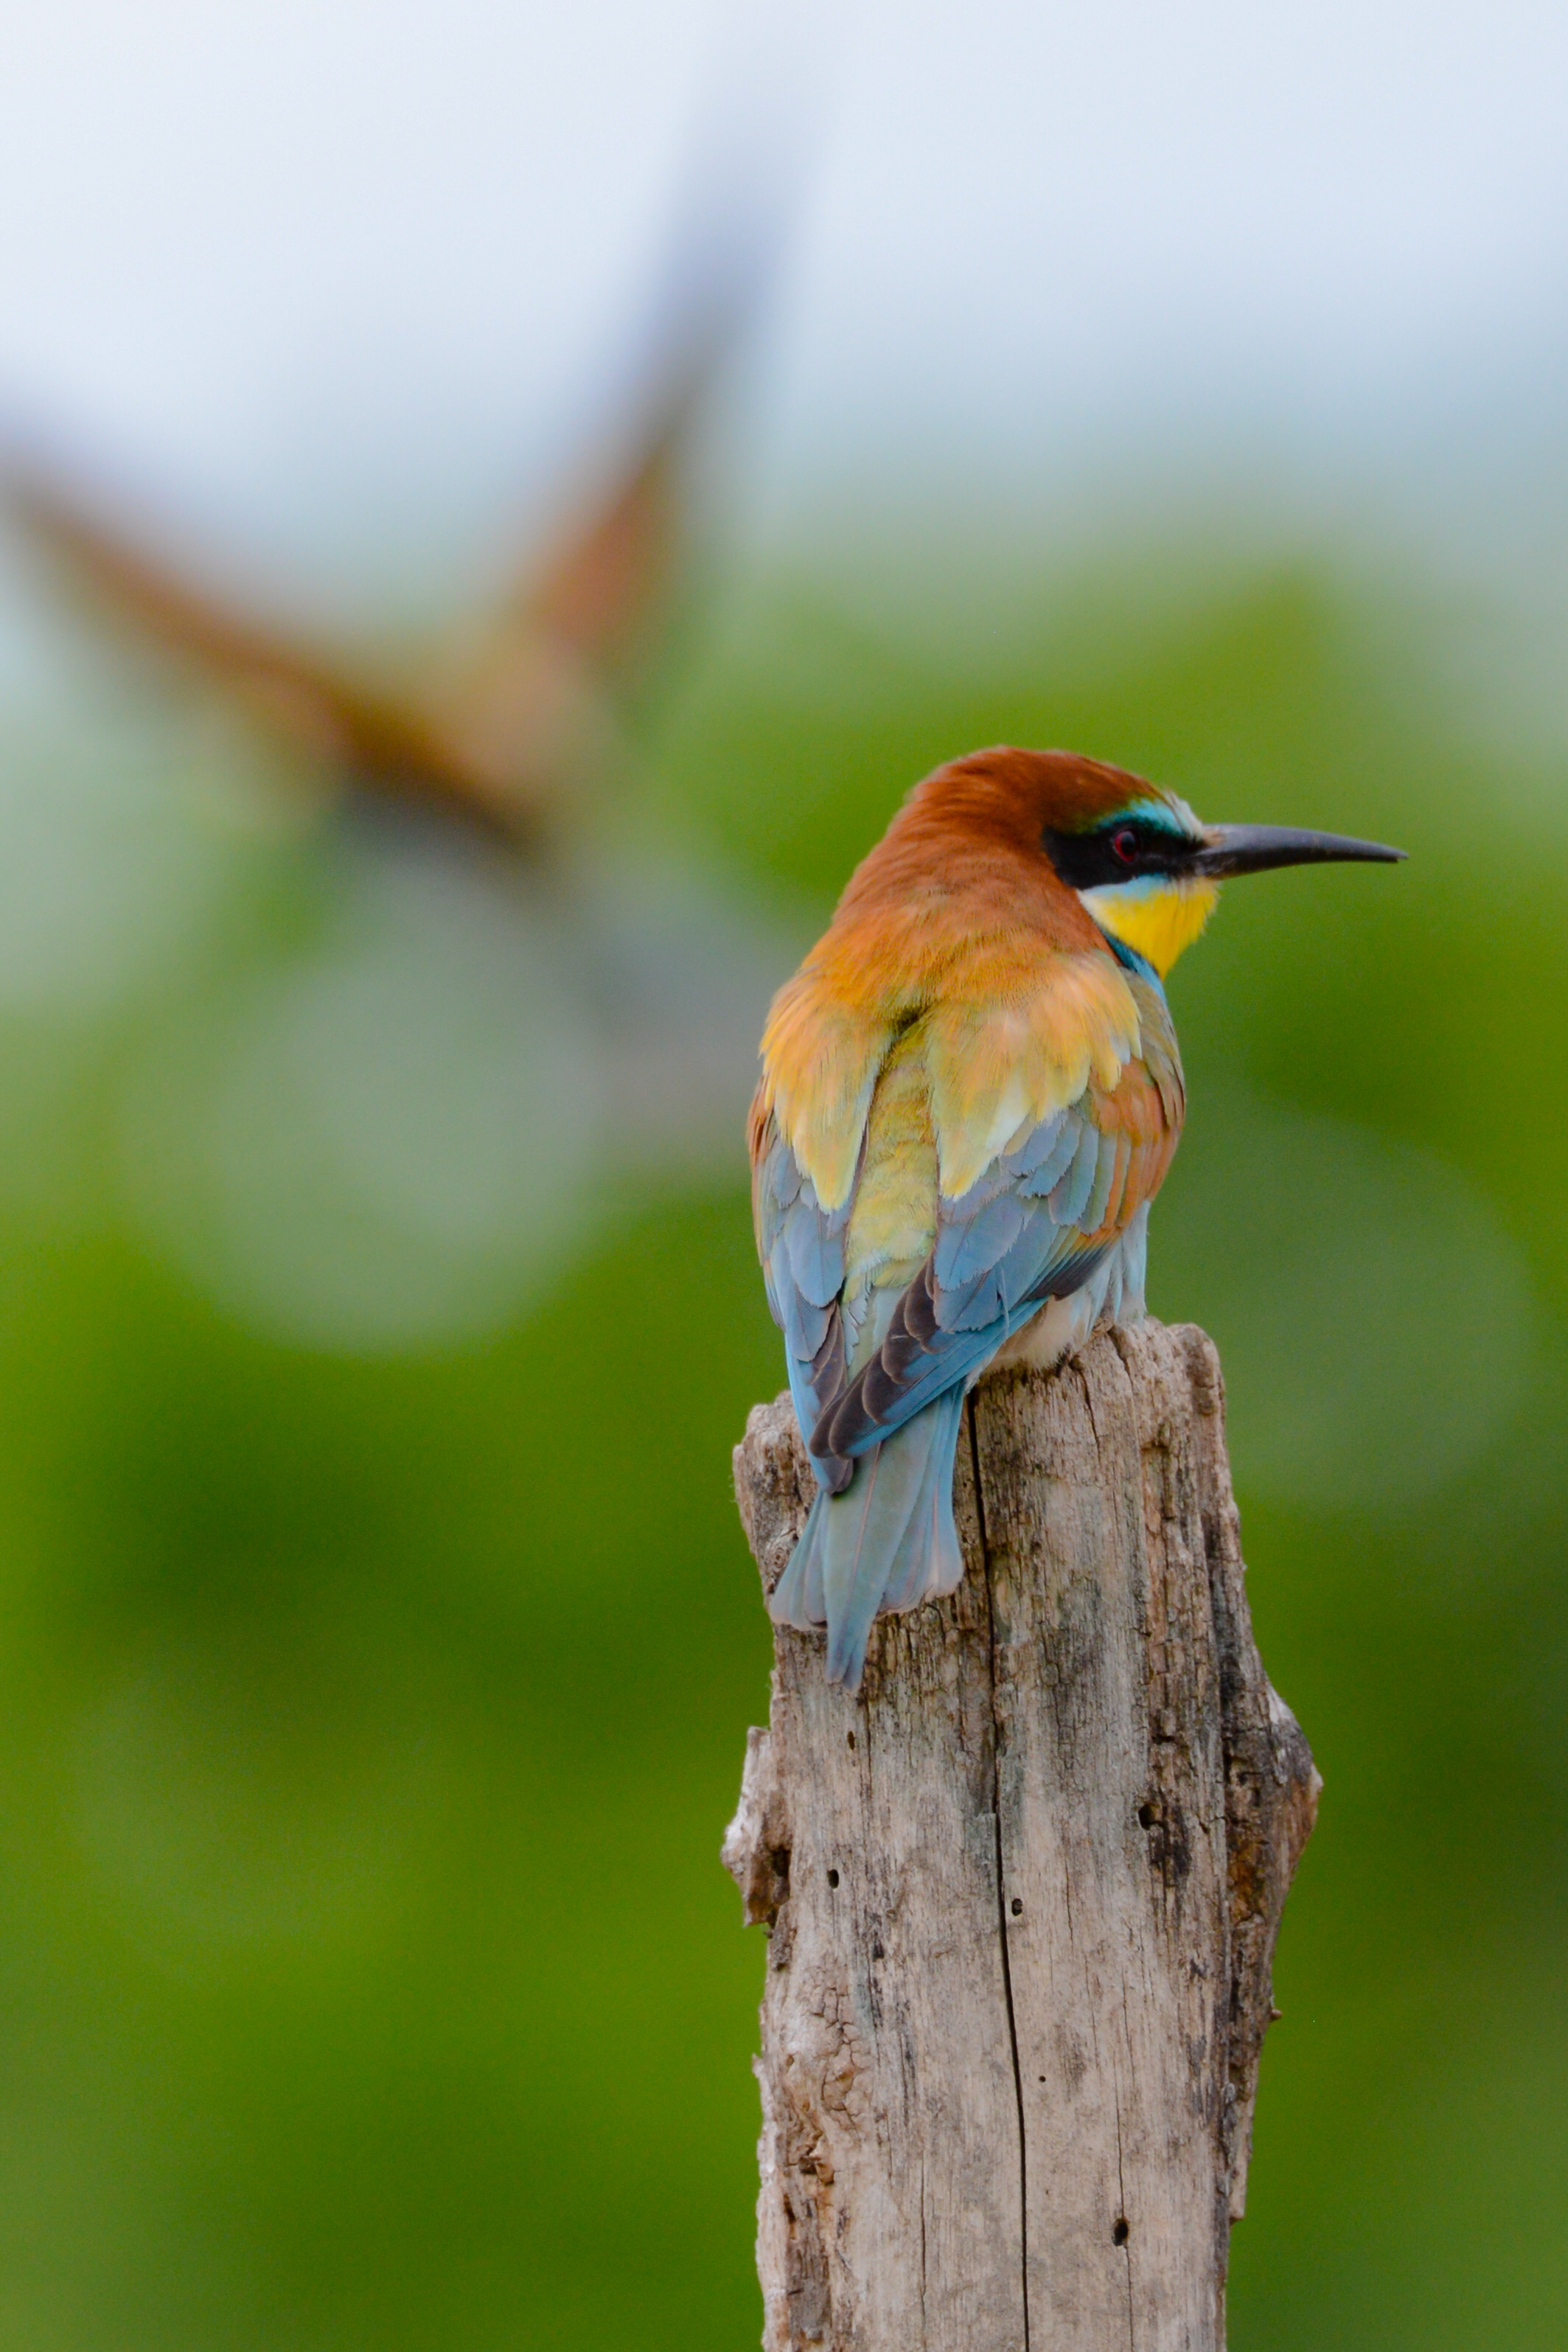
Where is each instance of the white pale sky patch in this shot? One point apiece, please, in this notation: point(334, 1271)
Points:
point(336, 272)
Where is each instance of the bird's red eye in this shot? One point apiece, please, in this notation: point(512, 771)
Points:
point(1125, 845)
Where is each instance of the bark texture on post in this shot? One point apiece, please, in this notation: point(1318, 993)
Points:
point(1023, 1890)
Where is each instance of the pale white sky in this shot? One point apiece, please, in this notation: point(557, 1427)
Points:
point(311, 262)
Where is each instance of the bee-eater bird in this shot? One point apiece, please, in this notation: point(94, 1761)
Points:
point(970, 1094)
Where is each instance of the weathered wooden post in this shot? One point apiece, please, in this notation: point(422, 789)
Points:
point(1023, 1890)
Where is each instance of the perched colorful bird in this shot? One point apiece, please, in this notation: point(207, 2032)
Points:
point(970, 1094)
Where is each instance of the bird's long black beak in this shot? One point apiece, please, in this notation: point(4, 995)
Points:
point(1254, 848)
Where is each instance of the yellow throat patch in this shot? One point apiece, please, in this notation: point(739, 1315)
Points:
point(1156, 917)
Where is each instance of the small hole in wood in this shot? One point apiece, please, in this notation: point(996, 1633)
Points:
point(1147, 1816)
point(1016, 1906)
point(1119, 2234)
point(876, 1951)
point(832, 1878)
point(850, 1736)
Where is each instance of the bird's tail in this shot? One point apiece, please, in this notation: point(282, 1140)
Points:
point(888, 1541)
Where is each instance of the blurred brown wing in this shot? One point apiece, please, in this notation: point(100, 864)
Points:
point(378, 743)
point(574, 622)
point(597, 590)
point(531, 689)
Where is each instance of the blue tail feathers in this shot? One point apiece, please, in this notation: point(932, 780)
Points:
point(888, 1541)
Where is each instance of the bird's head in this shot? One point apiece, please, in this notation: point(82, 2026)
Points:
point(1143, 865)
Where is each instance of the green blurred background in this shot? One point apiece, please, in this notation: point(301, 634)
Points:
point(377, 1639)
point(371, 1978)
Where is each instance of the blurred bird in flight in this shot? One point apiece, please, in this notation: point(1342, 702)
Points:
point(536, 981)
point(517, 734)
point(970, 1094)
point(496, 735)
point(514, 727)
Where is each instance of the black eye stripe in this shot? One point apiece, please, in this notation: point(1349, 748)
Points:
point(1117, 853)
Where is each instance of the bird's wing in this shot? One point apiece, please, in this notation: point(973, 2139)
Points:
point(821, 1060)
point(533, 689)
point(801, 1246)
point(576, 623)
point(1031, 1226)
point(597, 588)
point(373, 739)
point(602, 584)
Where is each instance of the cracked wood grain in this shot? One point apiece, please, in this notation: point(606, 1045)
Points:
point(1022, 1891)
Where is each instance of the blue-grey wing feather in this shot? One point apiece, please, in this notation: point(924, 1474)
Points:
point(1017, 1238)
point(803, 1270)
